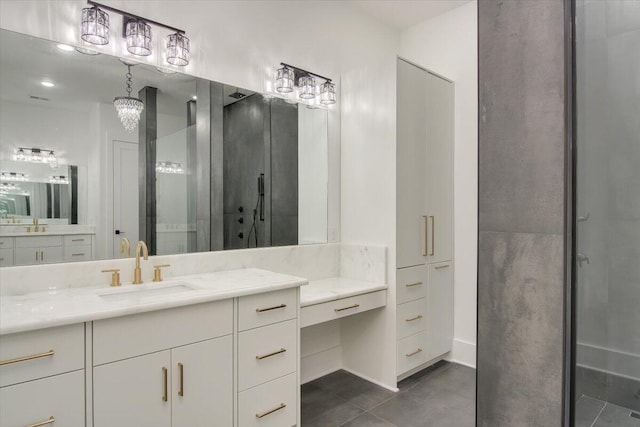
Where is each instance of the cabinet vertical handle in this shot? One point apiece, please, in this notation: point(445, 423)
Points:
point(50, 420)
point(426, 236)
point(181, 375)
point(36, 255)
point(433, 236)
point(164, 384)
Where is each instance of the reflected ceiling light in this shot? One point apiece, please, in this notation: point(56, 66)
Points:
point(13, 176)
point(36, 155)
point(138, 34)
point(288, 76)
point(284, 80)
point(328, 93)
point(47, 83)
point(128, 108)
point(95, 26)
point(65, 47)
point(85, 51)
point(194, 97)
point(178, 49)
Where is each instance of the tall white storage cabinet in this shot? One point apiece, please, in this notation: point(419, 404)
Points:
point(425, 138)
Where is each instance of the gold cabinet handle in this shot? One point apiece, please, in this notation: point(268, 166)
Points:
point(347, 308)
point(413, 353)
point(80, 254)
point(409, 285)
point(41, 255)
point(433, 235)
point(264, 414)
point(426, 236)
point(77, 240)
point(282, 350)
point(50, 420)
point(164, 384)
point(262, 310)
point(419, 316)
point(181, 376)
point(25, 358)
point(440, 267)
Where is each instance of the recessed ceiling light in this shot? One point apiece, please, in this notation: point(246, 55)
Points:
point(65, 47)
point(46, 83)
point(194, 97)
point(85, 51)
point(165, 70)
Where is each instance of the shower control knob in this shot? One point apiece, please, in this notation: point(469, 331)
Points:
point(240, 209)
point(240, 235)
point(241, 220)
point(582, 258)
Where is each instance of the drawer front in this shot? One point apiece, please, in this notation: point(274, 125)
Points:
point(411, 283)
point(314, 314)
point(411, 318)
point(6, 242)
point(77, 240)
point(38, 241)
point(273, 404)
point(129, 336)
point(264, 309)
point(47, 352)
point(412, 352)
point(260, 353)
point(61, 397)
point(6, 257)
point(77, 253)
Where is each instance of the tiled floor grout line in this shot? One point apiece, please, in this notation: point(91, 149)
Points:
point(599, 413)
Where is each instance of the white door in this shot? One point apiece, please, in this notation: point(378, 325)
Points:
point(202, 392)
point(440, 309)
point(125, 194)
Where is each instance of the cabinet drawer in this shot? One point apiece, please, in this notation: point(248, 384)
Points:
point(267, 353)
point(6, 242)
point(129, 336)
point(411, 318)
point(47, 352)
point(411, 283)
point(412, 352)
point(273, 404)
point(77, 253)
point(6, 257)
point(264, 309)
point(77, 240)
point(38, 241)
point(61, 397)
point(314, 314)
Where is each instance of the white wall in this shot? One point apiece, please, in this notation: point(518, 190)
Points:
point(447, 45)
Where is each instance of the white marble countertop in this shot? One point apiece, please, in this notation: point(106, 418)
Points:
point(20, 230)
point(74, 305)
point(335, 288)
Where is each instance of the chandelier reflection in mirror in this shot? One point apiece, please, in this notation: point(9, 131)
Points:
point(36, 155)
point(128, 107)
point(289, 77)
point(59, 179)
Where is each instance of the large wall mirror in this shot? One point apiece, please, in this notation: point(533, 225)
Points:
point(208, 166)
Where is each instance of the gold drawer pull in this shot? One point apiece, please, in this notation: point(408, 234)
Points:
point(77, 254)
point(260, 310)
point(282, 350)
point(51, 420)
point(181, 375)
point(426, 236)
point(25, 358)
point(440, 267)
point(409, 285)
point(77, 240)
point(164, 384)
point(347, 308)
point(419, 316)
point(413, 353)
point(264, 414)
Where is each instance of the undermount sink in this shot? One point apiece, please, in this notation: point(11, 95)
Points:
point(146, 291)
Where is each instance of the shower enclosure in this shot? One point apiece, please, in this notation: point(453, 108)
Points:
point(606, 380)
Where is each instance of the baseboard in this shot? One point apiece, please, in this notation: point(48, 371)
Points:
point(371, 380)
point(319, 364)
point(463, 353)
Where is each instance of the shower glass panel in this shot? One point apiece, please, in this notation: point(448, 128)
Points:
point(607, 222)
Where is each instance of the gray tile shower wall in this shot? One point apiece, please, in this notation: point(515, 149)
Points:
point(521, 212)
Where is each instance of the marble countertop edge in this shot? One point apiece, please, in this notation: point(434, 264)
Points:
point(336, 288)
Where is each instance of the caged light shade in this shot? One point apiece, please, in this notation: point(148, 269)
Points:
point(178, 49)
point(138, 34)
point(328, 93)
point(95, 26)
point(284, 80)
point(307, 85)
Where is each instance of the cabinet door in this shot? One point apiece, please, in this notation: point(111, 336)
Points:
point(439, 168)
point(411, 158)
point(51, 254)
point(440, 309)
point(202, 392)
point(6, 257)
point(26, 256)
point(133, 392)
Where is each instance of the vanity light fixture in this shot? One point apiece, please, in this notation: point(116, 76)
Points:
point(288, 77)
point(13, 176)
point(167, 167)
point(36, 155)
point(59, 179)
point(178, 49)
point(284, 80)
point(95, 26)
point(138, 35)
point(128, 107)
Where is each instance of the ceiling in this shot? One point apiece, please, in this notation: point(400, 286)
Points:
point(401, 14)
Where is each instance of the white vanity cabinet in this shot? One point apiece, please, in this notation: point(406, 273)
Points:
point(45, 249)
point(38, 250)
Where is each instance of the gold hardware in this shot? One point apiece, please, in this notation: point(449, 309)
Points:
point(282, 350)
point(51, 420)
point(164, 384)
point(137, 273)
point(125, 247)
point(414, 353)
point(77, 240)
point(440, 267)
point(181, 374)
point(35, 224)
point(264, 414)
point(419, 316)
point(77, 254)
point(41, 255)
point(36, 255)
point(43, 229)
point(115, 276)
point(433, 235)
point(408, 285)
point(28, 229)
point(347, 308)
point(260, 310)
point(157, 272)
point(426, 236)
point(25, 358)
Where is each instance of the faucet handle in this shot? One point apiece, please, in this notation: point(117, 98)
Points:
point(157, 272)
point(115, 276)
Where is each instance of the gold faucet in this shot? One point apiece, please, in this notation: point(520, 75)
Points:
point(125, 247)
point(137, 273)
point(35, 223)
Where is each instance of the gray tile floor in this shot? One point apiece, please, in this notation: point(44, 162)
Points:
point(592, 412)
point(440, 396)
